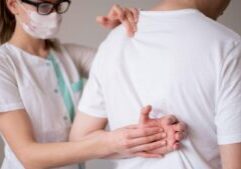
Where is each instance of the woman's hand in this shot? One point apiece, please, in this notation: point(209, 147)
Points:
point(118, 15)
point(176, 131)
point(135, 140)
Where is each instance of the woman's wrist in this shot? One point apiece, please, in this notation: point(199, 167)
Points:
point(105, 144)
point(101, 144)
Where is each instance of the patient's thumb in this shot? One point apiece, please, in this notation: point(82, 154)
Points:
point(145, 113)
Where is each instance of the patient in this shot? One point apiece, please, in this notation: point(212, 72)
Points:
point(182, 62)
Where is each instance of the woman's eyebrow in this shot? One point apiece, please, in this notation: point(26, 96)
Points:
point(37, 0)
point(50, 1)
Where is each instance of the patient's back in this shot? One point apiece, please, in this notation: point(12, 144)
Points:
point(182, 63)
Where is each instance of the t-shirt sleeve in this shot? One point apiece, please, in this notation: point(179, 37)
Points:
point(228, 108)
point(10, 99)
point(92, 101)
point(82, 56)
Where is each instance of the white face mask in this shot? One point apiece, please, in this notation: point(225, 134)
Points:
point(42, 26)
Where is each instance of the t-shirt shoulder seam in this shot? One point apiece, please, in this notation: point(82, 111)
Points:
point(234, 35)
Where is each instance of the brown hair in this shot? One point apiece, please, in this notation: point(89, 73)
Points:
point(8, 24)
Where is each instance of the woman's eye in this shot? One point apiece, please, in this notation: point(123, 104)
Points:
point(63, 7)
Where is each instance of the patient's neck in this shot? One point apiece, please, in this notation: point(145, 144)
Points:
point(167, 5)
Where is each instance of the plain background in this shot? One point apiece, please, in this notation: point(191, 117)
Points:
point(79, 27)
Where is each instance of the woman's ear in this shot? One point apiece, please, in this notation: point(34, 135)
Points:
point(13, 6)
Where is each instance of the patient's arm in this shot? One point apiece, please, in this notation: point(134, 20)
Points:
point(231, 156)
point(84, 125)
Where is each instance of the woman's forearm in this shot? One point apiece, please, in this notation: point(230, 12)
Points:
point(41, 156)
point(17, 130)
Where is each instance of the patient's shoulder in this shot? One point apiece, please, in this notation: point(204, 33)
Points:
point(109, 50)
point(117, 36)
point(219, 31)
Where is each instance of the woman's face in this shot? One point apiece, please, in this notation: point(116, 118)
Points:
point(37, 18)
point(23, 7)
point(19, 8)
point(22, 14)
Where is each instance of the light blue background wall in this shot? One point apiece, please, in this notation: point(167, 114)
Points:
point(79, 27)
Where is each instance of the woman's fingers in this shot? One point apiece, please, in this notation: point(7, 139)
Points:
point(113, 19)
point(148, 147)
point(142, 132)
point(107, 22)
point(124, 16)
point(146, 140)
point(128, 28)
point(131, 19)
point(103, 21)
point(134, 126)
point(143, 126)
point(117, 12)
point(136, 14)
point(119, 15)
point(148, 155)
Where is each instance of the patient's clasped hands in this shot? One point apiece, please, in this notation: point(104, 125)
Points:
point(151, 138)
point(174, 131)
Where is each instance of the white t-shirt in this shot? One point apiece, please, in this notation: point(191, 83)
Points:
point(30, 82)
point(181, 63)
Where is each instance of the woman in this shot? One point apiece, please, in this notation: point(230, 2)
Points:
point(40, 85)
